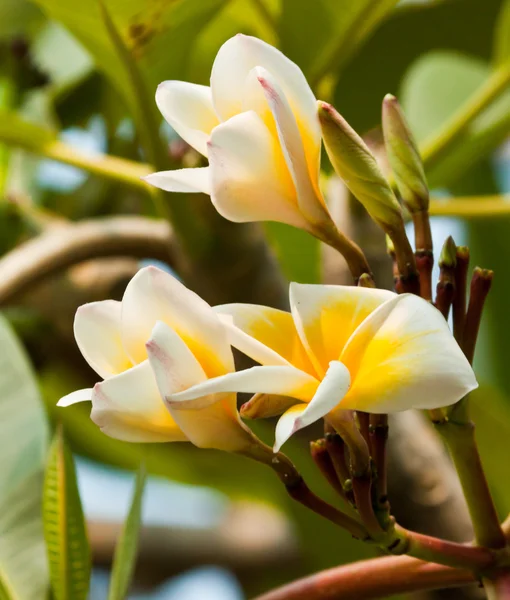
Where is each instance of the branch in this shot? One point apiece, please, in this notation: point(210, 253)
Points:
point(375, 578)
point(67, 245)
point(471, 207)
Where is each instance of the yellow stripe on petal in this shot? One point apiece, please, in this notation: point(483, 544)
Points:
point(271, 328)
point(327, 315)
point(262, 406)
point(404, 356)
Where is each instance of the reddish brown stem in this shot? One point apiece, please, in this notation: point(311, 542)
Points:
point(362, 488)
point(445, 292)
point(424, 264)
point(322, 459)
point(364, 424)
point(301, 492)
point(378, 440)
point(370, 579)
point(459, 301)
point(480, 286)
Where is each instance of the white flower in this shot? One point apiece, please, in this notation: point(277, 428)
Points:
point(160, 334)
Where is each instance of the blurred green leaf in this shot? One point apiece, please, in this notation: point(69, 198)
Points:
point(408, 33)
point(297, 251)
point(64, 525)
point(502, 36)
point(24, 437)
point(333, 30)
point(125, 552)
point(435, 88)
point(19, 18)
point(158, 35)
point(491, 414)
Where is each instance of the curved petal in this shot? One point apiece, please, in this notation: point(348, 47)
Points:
point(234, 61)
point(75, 397)
point(262, 406)
point(215, 426)
point(129, 407)
point(97, 333)
point(250, 180)
point(298, 157)
point(287, 381)
point(404, 356)
point(154, 295)
point(182, 180)
point(266, 334)
point(173, 363)
point(188, 108)
point(285, 425)
point(330, 392)
point(326, 315)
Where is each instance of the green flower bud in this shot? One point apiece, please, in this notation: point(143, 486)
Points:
point(448, 257)
point(404, 157)
point(356, 165)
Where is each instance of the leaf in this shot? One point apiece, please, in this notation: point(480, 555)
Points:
point(435, 88)
point(334, 29)
point(125, 552)
point(502, 35)
point(407, 34)
point(64, 525)
point(158, 35)
point(23, 441)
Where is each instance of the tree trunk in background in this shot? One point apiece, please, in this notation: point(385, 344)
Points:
point(424, 490)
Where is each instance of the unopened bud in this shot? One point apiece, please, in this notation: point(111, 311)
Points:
point(358, 168)
point(448, 257)
point(404, 157)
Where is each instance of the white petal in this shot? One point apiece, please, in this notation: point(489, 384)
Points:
point(234, 61)
point(265, 334)
point(250, 180)
point(285, 425)
point(326, 316)
point(98, 335)
point(129, 407)
point(173, 363)
point(304, 175)
point(188, 108)
point(75, 397)
point(287, 381)
point(404, 356)
point(330, 392)
point(154, 295)
point(182, 180)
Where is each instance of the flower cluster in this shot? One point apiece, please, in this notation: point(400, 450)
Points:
point(165, 355)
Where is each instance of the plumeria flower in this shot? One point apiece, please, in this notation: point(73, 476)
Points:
point(258, 125)
point(123, 342)
point(340, 348)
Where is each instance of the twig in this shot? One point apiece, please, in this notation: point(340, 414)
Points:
point(369, 579)
point(324, 463)
point(472, 207)
point(480, 287)
point(67, 245)
point(459, 300)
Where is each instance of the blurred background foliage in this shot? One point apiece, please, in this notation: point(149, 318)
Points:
point(78, 79)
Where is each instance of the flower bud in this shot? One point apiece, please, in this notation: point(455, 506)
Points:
point(358, 168)
point(448, 257)
point(404, 157)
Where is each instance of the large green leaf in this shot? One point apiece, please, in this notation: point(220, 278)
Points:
point(64, 525)
point(407, 34)
point(125, 552)
point(158, 35)
point(23, 442)
point(333, 30)
point(436, 87)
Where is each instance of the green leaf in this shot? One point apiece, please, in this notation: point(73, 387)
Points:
point(435, 88)
point(407, 34)
point(125, 552)
point(297, 251)
point(334, 29)
point(64, 525)
point(502, 35)
point(159, 36)
point(23, 442)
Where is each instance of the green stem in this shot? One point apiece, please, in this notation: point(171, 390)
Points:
point(472, 207)
point(460, 440)
point(433, 150)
